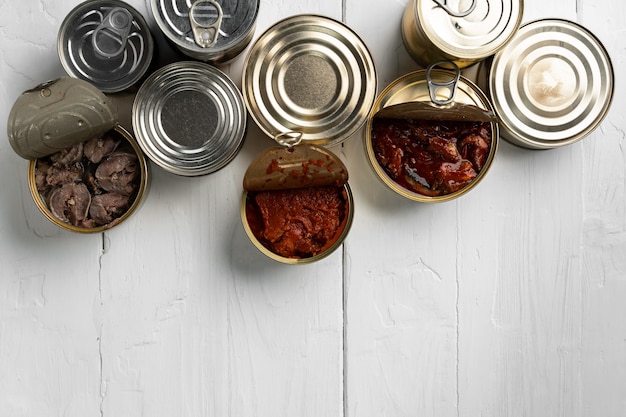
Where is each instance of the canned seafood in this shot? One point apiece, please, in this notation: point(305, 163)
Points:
point(105, 42)
point(189, 118)
point(432, 135)
point(551, 85)
point(209, 30)
point(309, 74)
point(461, 31)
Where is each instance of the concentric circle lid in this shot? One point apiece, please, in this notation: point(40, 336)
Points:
point(105, 42)
point(469, 29)
point(310, 74)
point(189, 118)
point(552, 85)
point(205, 28)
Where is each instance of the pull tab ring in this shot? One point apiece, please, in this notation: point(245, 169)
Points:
point(289, 139)
point(110, 37)
point(435, 87)
point(206, 30)
point(453, 13)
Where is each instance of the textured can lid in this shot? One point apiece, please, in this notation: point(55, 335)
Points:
point(552, 85)
point(221, 25)
point(310, 74)
point(105, 42)
point(189, 118)
point(488, 25)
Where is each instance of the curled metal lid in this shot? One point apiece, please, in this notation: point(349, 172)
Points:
point(189, 118)
point(105, 42)
point(552, 85)
point(468, 29)
point(309, 74)
point(209, 30)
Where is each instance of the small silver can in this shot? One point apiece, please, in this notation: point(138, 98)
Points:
point(213, 31)
point(106, 42)
point(461, 31)
point(552, 85)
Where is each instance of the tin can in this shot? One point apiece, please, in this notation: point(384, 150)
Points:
point(297, 206)
point(213, 31)
point(189, 118)
point(442, 97)
point(309, 74)
point(105, 42)
point(461, 31)
point(59, 125)
point(552, 85)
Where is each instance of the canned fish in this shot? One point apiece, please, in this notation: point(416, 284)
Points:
point(432, 135)
point(105, 42)
point(297, 206)
point(189, 118)
point(552, 85)
point(209, 30)
point(309, 74)
point(461, 31)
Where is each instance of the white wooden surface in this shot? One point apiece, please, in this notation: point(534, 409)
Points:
point(506, 302)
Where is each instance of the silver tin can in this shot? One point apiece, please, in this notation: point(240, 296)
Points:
point(209, 30)
point(552, 85)
point(189, 118)
point(461, 31)
point(105, 42)
point(310, 74)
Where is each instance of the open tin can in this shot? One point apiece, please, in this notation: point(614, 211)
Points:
point(461, 31)
point(106, 42)
point(310, 74)
point(432, 135)
point(213, 31)
point(296, 206)
point(551, 85)
point(86, 173)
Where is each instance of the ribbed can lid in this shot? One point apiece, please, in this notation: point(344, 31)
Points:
point(189, 118)
point(105, 42)
point(551, 85)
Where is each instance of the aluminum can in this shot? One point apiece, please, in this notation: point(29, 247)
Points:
point(106, 42)
point(440, 92)
point(461, 31)
point(310, 74)
point(189, 118)
point(213, 31)
point(552, 85)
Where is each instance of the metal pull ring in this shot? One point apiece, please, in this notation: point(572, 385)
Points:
point(436, 87)
point(205, 17)
point(110, 37)
point(289, 139)
point(453, 13)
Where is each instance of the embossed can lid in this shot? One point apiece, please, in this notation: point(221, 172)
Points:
point(105, 42)
point(551, 85)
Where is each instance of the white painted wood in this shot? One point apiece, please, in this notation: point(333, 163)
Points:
point(505, 302)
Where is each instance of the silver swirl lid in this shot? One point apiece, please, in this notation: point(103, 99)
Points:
point(105, 42)
point(551, 85)
point(189, 118)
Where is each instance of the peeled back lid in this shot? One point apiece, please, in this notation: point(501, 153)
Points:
point(57, 115)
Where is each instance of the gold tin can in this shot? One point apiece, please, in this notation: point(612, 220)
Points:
point(310, 74)
point(552, 85)
point(461, 31)
point(297, 206)
point(440, 95)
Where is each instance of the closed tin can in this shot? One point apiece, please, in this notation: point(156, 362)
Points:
point(461, 31)
point(86, 173)
point(208, 30)
point(189, 118)
point(432, 169)
point(309, 74)
point(106, 42)
point(551, 85)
